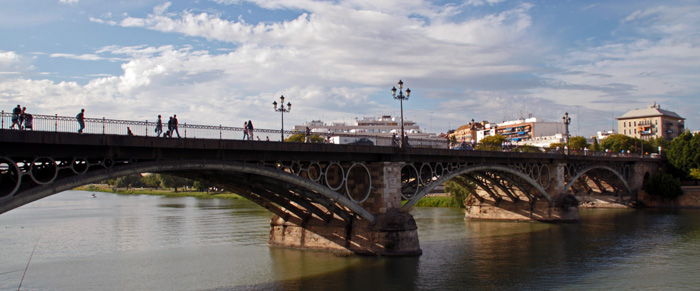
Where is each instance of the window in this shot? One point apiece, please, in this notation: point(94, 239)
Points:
point(625, 131)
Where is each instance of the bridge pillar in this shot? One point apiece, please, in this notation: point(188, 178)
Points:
point(394, 233)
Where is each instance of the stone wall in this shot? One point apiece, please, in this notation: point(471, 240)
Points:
point(689, 199)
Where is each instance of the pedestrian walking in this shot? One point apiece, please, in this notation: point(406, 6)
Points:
point(170, 126)
point(81, 120)
point(15, 117)
point(308, 135)
point(250, 130)
point(28, 121)
point(128, 131)
point(175, 126)
point(159, 126)
point(21, 117)
point(245, 130)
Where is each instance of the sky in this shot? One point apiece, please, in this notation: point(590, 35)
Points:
point(215, 62)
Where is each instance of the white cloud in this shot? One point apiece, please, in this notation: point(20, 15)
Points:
point(68, 1)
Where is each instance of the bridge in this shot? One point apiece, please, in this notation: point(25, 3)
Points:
point(347, 198)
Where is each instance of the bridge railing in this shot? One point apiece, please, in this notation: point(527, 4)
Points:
point(56, 123)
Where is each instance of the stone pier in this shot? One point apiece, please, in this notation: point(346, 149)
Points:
point(393, 234)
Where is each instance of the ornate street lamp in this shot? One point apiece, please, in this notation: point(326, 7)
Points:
point(401, 98)
point(567, 120)
point(282, 110)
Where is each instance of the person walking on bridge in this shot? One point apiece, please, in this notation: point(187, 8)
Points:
point(81, 120)
point(16, 112)
point(250, 130)
point(245, 130)
point(175, 126)
point(159, 126)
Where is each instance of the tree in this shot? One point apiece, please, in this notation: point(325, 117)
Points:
point(491, 143)
point(529, 149)
point(151, 181)
point(663, 185)
point(129, 181)
point(175, 182)
point(459, 193)
point(618, 142)
point(595, 147)
point(300, 137)
point(684, 153)
point(577, 142)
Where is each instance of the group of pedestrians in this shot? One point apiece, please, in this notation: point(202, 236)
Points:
point(21, 118)
point(172, 127)
point(248, 131)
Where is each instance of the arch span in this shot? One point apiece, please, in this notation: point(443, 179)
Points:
point(63, 184)
point(475, 168)
point(597, 167)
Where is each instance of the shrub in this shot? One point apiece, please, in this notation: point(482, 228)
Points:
point(664, 186)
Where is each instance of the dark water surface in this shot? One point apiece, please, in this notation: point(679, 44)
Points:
point(117, 242)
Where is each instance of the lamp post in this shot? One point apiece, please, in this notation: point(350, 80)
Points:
point(282, 110)
point(567, 120)
point(401, 98)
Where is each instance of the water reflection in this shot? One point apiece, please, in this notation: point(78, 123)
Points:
point(122, 242)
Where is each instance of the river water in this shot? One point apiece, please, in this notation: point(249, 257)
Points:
point(126, 242)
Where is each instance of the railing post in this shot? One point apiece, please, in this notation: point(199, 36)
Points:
point(146, 127)
point(103, 125)
point(2, 120)
point(55, 120)
point(185, 130)
point(219, 131)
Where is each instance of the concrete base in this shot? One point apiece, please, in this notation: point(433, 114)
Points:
point(394, 234)
point(521, 211)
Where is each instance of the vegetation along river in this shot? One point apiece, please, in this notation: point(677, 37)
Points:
point(140, 242)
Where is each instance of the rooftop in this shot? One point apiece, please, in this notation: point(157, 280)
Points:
point(652, 110)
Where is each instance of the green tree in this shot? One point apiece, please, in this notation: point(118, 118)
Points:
point(300, 137)
point(491, 143)
point(663, 185)
point(529, 149)
point(457, 190)
point(129, 181)
point(684, 153)
point(595, 146)
point(175, 182)
point(577, 142)
point(618, 142)
point(151, 181)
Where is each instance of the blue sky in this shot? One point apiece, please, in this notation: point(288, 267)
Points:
point(225, 61)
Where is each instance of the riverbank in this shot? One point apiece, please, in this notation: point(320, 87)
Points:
point(158, 192)
point(430, 201)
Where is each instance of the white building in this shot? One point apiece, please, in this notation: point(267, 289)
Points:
point(529, 131)
point(381, 130)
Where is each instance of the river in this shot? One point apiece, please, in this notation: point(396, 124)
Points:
point(139, 242)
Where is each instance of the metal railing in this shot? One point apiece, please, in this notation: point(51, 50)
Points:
point(56, 123)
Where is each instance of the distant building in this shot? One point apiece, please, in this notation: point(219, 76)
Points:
point(529, 131)
point(379, 129)
point(651, 122)
point(601, 135)
point(468, 132)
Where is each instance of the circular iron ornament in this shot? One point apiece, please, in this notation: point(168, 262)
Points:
point(409, 181)
point(43, 170)
point(544, 180)
point(313, 172)
point(9, 177)
point(295, 167)
point(107, 163)
point(439, 170)
point(355, 187)
point(79, 166)
point(337, 173)
point(450, 167)
point(426, 174)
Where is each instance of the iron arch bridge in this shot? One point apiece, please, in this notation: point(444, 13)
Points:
point(345, 189)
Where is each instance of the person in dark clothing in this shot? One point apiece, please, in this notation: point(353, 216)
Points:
point(128, 131)
point(175, 126)
point(245, 130)
point(250, 130)
point(159, 126)
point(81, 120)
point(21, 117)
point(28, 121)
point(170, 126)
point(15, 117)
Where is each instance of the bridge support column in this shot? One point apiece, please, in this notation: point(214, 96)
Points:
point(394, 232)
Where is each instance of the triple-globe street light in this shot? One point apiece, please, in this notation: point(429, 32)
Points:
point(567, 120)
point(401, 97)
point(282, 110)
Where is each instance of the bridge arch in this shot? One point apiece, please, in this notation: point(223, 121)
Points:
point(583, 171)
point(475, 168)
point(175, 166)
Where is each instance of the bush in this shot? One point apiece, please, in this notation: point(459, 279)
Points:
point(664, 186)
